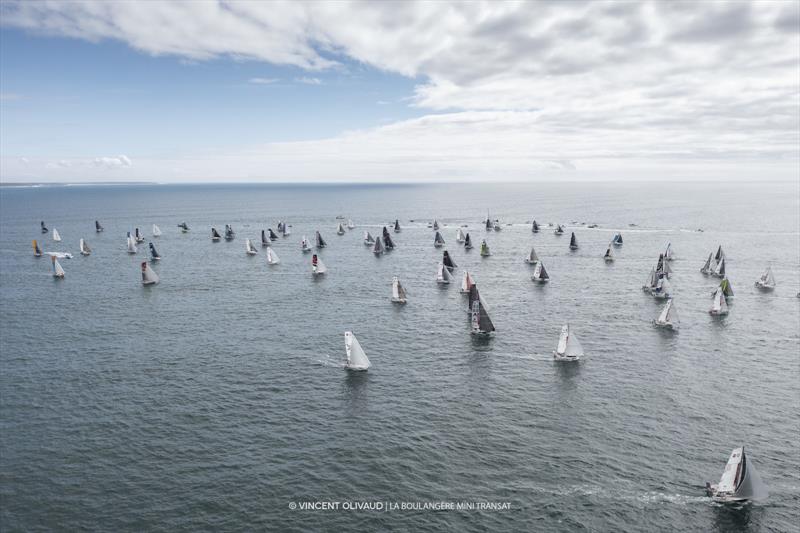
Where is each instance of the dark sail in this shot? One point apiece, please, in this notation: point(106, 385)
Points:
point(264, 241)
point(474, 296)
point(543, 274)
point(44, 228)
point(484, 322)
point(573, 242)
point(214, 233)
point(97, 227)
point(138, 235)
point(387, 239)
point(153, 252)
point(396, 226)
point(447, 261)
point(467, 242)
point(320, 241)
point(660, 264)
point(229, 232)
point(183, 226)
point(535, 227)
point(272, 235)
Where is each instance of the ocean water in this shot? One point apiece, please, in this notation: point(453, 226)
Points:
point(216, 399)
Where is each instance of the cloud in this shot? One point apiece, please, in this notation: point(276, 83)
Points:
point(264, 81)
point(308, 81)
point(113, 162)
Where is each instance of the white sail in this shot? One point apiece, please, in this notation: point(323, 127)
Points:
point(662, 288)
point(740, 480)
point(57, 270)
point(669, 316)
point(368, 239)
point(56, 236)
point(443, 274)
point(707, 267)
point(719, 271)
point(249, 248)
point(668, 252)
point(131, 245)
point(398, 292)
point(272, 257)
point(156, 231)
point(539, 273)
point(532, 257)
point(319, 268)
point(435, 224)
point(377, 249)
point(466, 283)
point(767, 279)
point(340, 229)
point(356, 358)
point(459, 235)
point(85, 250)
point(350, 224)
point(148, 276)
point(569, 347)
point(720, 305)
point(305, 245)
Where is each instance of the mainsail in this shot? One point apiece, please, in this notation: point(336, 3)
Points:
point(609, 255)
point(350, 224)
point(719, 305)
point(467, 242)
point(56, 236)
point(148, 276)
point(767, 279)
point(285, 231)
point(356, 358)
point(387, 240)
point(320, 241)
point(398, 292)
point(485, 249)
point(97, 227)
point(272, 235)
point(481, 323)
point(466, 283)
point(668, 252)
point(229, 233)
point(569, 347)
point(617, 240)
point(727, 288)
point(368, 239)
point(156, 231)
point(540, 274)
point(448, 261)
point(305, 246)
point(37, 252)
point(215, 234)
point(662, 288)
point(707, 267)
point(377, 248)
point(740, 481)
point(44, 228)
point(573, 242)
point(184, 227)
point(249, 248)
point(459, 235)
point(396, 226)
point(153, 253)
point(532, 258)
point(340, 229)
point(138, 236)
point(559, 230)
point(85, 250)
point(720, 270)
point(57, 270)
point(272, 257)
point(435, 224)
point(438, 240)
point(535, 227)
point(317, 266)
point(443, 275)
point(668, 316)
point(131, 244)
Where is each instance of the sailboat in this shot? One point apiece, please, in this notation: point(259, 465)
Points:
point(532, 258)
point(272, 235)
point(131, 244)
point(317, 266)
point(662, 267)
point(58, 272)
point(398, 292)
point(569, 347)
point(97, 227)
point(443, 275)
point(739, 482)
point(280, 226)
point(438, 240)
point(488, 222)
point(767, 280)
point(485, 249)
point(466, 283)
point(396, 226)
point(668, 318)
point(727, 288)
point(272, 257)
point(609, 255)
point(44, 228)
point(459, 235)
point(479, 317)
point(448, 262)
point(720, 270)
point(497, 226)
point(467, 242)
point(340, 229)
point(535, 227)
point(184, 227)
point(668, 254)
point(148, 276)
point(156, 231)
point(305, 246)
point(320, 241)
point(84, 248)
point(350, 224)
point(229, 234)
point(249, 249)
point(540, 274)
point(651, 282)
point(435, 225)
point(215, 235)
point(56, 236)
point(285, 231)
point(719, 255)
point(662, 289)
point(617, 240)
point(559, 230)
point(709, 265)
point(264, 239)
point(138, 236)
point(368, 239)
point(573, 242)
point(720, 305)
point(387, 240)
point(154, 256)
point(356, 358)
point(377, 248)
point(37, 252)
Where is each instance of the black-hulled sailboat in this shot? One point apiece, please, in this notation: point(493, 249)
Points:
point(320, 241)
point(97, 227)
point(467, 242)
point(388, 243)
point(448, 262)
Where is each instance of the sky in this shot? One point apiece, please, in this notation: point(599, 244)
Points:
point(243, 91)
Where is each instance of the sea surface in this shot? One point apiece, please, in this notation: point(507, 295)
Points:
point(216, 399)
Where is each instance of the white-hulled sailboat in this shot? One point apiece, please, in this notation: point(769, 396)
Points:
point(727, 288)
point(377, 247)
point(448, 262)
point(573, 242)
point(532, 258)
point(350, 224)
point(709, 265)
point(719, 271)
point(662, 289)
point(148, 276)
point(435, 225)
point(131, 244)
point(466, 283)
point(230, 234)
point(535, 227)
point(396, 225)
point(617, 240)
point(249, 249)
point(154, 255)
point(156, 231)
point(215, 236)
point(438, 240)
point(340, 229)
point(272, 257)
point(540, 274)
point(569, 347)
point(320, 241)
point(485, 249)
point(369, 240)
point(559, 230)
point(264, 239)
point(739, 482)
point(356, 358)
point(609, 255)
point(480, 322)
point(467, 242)
point(497, 226)
point(58, 272)
point(459, 235)
point(85, 250)
point(719, 307)
point(318, 268)
point(652, 281)
point(767, 280)
point(668, 318)
point(56, 236)
point(305, 246)
point(272, 235)
point(398, 292)
point(138, 236)
point(668, 254)
point(443, 275)
point(37, 252)
point(285, 229)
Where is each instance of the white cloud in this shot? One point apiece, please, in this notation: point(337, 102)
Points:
point(264, 81)
point(112, 162)
point(521, 86)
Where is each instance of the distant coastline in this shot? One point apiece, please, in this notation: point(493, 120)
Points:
point(71, 183)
